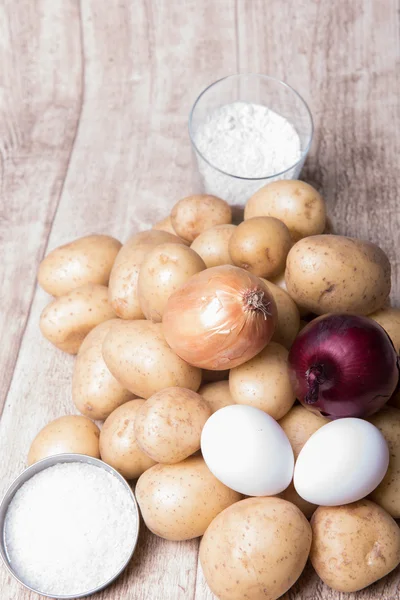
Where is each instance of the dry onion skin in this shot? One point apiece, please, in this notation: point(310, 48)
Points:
point(220, 318)
point(194, 214)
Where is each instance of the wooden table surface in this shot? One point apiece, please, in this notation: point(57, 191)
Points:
point(94, 103)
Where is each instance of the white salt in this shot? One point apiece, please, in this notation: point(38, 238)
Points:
point(70, 528)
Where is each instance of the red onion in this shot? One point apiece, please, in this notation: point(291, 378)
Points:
point(343, 366)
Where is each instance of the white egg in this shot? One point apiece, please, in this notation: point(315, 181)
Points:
point(342, 462)
point(247, 450)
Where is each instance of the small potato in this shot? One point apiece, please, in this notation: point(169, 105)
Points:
point(85, 260)
point(194, 214)
point(389, 319)
point(263, 382)
point(95, 392)
point(118, 444)
point(288, 324)
point(333, 273)
point(141, 360)
point(67, 320)
point(255, 549)
point(71, 434)
point(164, 270)
point(299, 424)
point(166, 225)
point(387, 494)
point(213, 245)
point(178, 502)
point(279, 280)
point(354, 545)
point(123, 293)
point(261, 245)
point(169, 425)
point(217, 395)
point(296, 203)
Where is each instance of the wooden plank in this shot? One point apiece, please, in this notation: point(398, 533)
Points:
point(40, 75)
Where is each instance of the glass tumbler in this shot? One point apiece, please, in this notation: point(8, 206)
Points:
point(257, 89)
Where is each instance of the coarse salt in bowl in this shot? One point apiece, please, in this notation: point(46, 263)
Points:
point(69, 525)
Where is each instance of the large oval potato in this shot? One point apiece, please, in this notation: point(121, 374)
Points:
point(123, 293)
point(67, 320)
point(70, 434)
point(178, 502)
point(118, 444)
point(389, 319)
point(216, 394)
point(213, 245)
point(86, 260)
point(299, 424)
point(387, 494)
point(194, 214)
point(264, 382)
point(288, 323)
point(141, 360)
point(333, 273)
point(255, 549)
point(95, 391)
point(296, 203)
point(354, 545)
point(164, 270)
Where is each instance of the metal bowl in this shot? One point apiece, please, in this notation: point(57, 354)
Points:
point(41, 466)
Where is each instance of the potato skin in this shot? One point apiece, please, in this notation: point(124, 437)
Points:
point(72, 433)
point(67, 320)
point(354, 545)
point(216, 394)
point(387, 494)
point(166, 267)
point(213, 245)
point(118, 444)
point(138, 356)
point(166, 225)
point(294, 202)
point(389, 319)
point(88, 259)
point(194, 214)
point(95, 391)
point(168, 426)
point(190, 497)
point(237, 555)
point(264, 382)
point(123, 293)
point(288, 323)
point(332, 273)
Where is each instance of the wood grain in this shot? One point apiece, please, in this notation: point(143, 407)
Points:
point(93, 122)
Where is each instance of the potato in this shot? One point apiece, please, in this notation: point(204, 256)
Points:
point(280, 281)
point(95, 392)
point(178, 502)
point(296, 203)
point(299, 424)
point(166, 225)
point(255, 549)
point(212, 376)
point(67, 320)
point(168, 426)
point(217, 395)
point(141, 360)
point(71, 434)
point(333, 273)
point(354, 545)
point(213, 245)
point(288, 324)
point(264, 382)
point(261, 245)
point(164, 270)
point(118, 445)
point(125, 272)
point(194, 214)
point(85, 260)
point(387, 494)
point(389, 319)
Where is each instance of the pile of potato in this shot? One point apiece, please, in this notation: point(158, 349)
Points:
point(108, 306)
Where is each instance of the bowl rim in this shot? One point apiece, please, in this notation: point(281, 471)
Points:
point(261, 76)
point(42, 465)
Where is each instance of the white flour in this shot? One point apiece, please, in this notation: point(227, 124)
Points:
point(245, 140)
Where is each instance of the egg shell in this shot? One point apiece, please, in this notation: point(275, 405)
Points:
point(342, 462)
point(247, 450)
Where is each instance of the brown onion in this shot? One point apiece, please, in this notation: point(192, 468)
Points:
point(220, 318)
